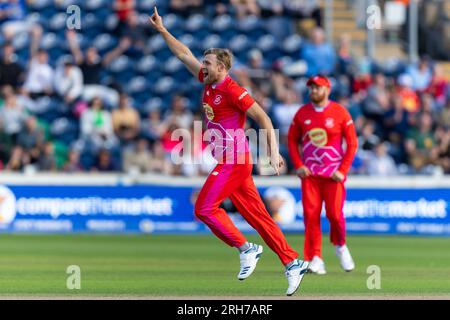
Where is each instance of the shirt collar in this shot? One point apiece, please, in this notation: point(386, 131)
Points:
point(218, 85)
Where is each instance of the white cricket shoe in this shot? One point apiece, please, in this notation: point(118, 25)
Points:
point(317, 266)
point(294, 275)
point(248, 260)
point(345, 258)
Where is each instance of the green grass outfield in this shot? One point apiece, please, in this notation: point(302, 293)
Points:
point(155, 266)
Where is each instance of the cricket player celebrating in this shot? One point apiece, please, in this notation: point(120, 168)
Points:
point(226, 105)
point(320, 128)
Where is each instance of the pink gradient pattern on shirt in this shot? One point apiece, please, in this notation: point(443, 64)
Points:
point(227, 139)
point(322, 161)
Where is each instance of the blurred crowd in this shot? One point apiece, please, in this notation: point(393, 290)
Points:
point(108, 97)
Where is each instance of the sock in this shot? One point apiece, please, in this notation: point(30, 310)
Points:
point(290, 264)
point(244, 247)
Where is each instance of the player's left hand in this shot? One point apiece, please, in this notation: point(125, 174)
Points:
point(338, 176)
point(277, 162)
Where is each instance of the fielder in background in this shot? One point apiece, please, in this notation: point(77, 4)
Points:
point(226, 106)
point(322, 162)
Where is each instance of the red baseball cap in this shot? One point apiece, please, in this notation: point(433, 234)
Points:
point(320, 81)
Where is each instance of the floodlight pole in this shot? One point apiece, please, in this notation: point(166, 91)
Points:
point(328, 17)
point(413, 30)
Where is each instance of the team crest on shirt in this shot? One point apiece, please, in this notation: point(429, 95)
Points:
point(209, 112)
point(329, 122)
point(318, 137)
point(217, 99)
point(307, 121)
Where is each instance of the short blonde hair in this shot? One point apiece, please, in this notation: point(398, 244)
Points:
point(224, 56)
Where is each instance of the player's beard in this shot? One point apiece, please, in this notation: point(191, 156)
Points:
point(210, 79)
point(317, 98)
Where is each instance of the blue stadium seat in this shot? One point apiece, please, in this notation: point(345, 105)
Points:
point(222, 23)
point(196, 23)
point(211, 41)
point(146, 6)
point(164, 85)
point(153, 76)
point(138, 89)
point(146, 64)
point(104, 42)
point(111, 22)
point(173, 65)
point(225, 25)
point(91, 23)
point(21, 41)
point(120, 64)
point(152, 104)
point(94, 5)
point(64, 129)
point(49, 40)
point(240, 45)
point(172, 22)
point(156, 43)
point(188, 40)
point(280, 27)
point(251, 26)
point(291, 45)
point(57, 22)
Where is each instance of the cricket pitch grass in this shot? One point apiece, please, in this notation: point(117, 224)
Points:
point(202, 267)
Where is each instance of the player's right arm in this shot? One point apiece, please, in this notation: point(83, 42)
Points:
point(294, 136)
point(178, 49)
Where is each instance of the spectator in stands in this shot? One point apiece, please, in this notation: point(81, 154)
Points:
point(362, 78)
point(96, 127)
point(318, 54)
point(123, 9)
point(104, 162)
point(12, 114)
point(11, 72)
point(6, 145)
point(47, 161)
point(409, 98)
point(69, 82)
point(256, 70)
point(246, 8)
point(444, 115)
point(420, 143)
point(270, 8)
point(420, 75)
point(40, 77)
point(178, 114)
point(377, 100)
point(438, 87)
point(18, 160)
point(284, 111)
point(218, 8)
point(442, 136)
point(90, 63)
point(368, 139)
point(379, 162)
point(395, 119)
point(152, 127)
point(13, 18)
point(73, 162)
point(303, 9)
point(134, 32)
point(31, 139)
point(186, 7)
point(138, 159)
point(161, 162)
point(345, 55)
point(125, 120)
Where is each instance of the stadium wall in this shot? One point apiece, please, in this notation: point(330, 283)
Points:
point(113, 203)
